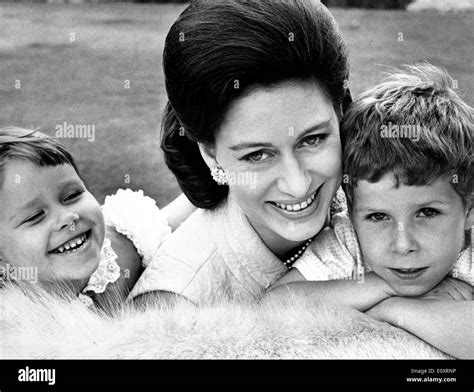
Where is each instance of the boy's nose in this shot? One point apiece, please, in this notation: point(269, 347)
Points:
point(403, 240)
point(66, 220)
point(294, 179)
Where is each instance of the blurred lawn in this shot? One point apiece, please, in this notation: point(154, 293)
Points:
point(73, 62)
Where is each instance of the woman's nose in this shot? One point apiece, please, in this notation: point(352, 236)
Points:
point(67, 219)
point(404, 241)
point(294, 179)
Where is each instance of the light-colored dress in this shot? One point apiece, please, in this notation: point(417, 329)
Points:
point(214, 255)
point(335, 254)
point(137, 217)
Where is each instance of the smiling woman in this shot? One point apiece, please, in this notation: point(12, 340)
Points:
point(254, 88)
point(294, 151)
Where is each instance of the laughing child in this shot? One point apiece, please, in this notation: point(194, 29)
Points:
point(52, 225)
point(406, 236)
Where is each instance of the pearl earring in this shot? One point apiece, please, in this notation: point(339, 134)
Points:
point(218, 175)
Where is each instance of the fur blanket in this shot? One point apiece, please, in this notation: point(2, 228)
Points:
point(42, 326)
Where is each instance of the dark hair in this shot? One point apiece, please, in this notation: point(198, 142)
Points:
point(33, 146)
point(413, 125)
point(218, 50)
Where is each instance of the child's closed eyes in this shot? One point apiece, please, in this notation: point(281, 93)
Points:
point(39, 213)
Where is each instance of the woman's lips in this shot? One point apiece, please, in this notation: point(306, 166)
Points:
point(312, 206)
point(408, 273)
point(295, 207)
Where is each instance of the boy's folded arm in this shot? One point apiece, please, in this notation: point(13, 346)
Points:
point(310, 275)
point(359, 295)
point(445, 324)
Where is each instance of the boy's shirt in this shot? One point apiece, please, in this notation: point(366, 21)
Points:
point(335, 254)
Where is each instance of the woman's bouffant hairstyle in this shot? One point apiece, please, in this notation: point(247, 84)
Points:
point(218, 50)
point(413, 125)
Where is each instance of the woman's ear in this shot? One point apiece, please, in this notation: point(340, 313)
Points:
point(208, 154)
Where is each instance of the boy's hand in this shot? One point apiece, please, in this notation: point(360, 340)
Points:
point(383, 284)
point(383, 310)
point(386, 287)
point(450, 289)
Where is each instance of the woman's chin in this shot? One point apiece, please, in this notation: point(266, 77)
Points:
point(299, 236)
point(297, 230)
point(300, 233)
point(307, 229)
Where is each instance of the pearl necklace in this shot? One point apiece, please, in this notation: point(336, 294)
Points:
point(289, 262)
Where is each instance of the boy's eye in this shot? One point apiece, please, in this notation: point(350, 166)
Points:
point(36, 217)
point(313, 140)
point(377, 217)
point(256, 157)
point(429, 212)
point(73, 195)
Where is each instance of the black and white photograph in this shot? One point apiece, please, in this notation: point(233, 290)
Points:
point(239, 185)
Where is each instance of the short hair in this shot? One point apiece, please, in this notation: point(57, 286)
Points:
point(33, 146)
point(421, 99)
point(215, 44)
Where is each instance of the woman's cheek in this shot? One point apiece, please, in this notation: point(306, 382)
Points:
point(327, 165)
point(246, 194)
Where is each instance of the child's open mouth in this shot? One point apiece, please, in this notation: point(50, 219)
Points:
point(408, 273)
point(73, 245)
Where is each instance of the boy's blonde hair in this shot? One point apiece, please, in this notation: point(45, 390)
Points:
point(413, 125)
point(34, 146)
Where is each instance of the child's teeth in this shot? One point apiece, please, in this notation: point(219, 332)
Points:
point(73, 244)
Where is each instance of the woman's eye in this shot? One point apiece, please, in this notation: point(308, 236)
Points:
point(429, 212)
point(313, 140)
point(36, 217)
point(256, 157)
point(377, 217)
point(73, 195)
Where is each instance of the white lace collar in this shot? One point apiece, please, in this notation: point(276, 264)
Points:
point(107, 272)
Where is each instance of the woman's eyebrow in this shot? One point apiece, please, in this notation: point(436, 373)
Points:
point(244, 145)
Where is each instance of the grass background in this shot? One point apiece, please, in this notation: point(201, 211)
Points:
point(73, 62)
